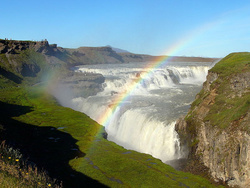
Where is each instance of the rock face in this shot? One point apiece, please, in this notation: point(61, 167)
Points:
point(83, 84)
point(25, 57)
point(95, 55)
point(14, 46)
point(216, 130)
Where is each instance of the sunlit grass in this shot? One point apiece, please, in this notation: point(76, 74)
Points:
point(226, 108)
point(228, 105)
point(104, 161)
point(232, 64)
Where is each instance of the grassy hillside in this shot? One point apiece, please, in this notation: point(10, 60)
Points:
point(232, 98)
point(66, 143)
point(234, 106)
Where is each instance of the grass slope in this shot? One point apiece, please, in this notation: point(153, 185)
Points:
point(228, 109)
point(7, 181)
point(228, 106)
point(66, 144)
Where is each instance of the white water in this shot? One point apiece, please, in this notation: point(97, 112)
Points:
point(145, 121)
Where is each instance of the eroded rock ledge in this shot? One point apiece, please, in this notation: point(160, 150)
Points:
point(215, 133)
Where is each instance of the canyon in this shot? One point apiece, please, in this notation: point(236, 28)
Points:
point(213, 136)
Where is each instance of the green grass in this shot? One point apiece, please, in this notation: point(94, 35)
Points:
point(16, 172)
point(232, 64)
point(30, 119)
point(45, 111)
point(8, 181)
point(80, 156)
point(228, 106)
point(225, 110)
point(14, 72)
point(131, 169)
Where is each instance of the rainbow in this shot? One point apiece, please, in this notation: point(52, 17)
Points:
point(105, 118)
point(119, 98)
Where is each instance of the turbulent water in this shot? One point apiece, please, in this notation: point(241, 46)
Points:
point(145, 120)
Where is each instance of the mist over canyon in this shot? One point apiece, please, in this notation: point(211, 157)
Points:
point(145, 120)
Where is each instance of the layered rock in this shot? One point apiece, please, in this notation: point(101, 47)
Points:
point(216, 130)
point(15, 46)
point(83, 84)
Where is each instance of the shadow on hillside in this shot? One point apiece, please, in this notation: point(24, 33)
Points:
point(47, 147)
point(10, 76)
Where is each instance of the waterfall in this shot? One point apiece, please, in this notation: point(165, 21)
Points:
point(144, 122)
point(117, 81)
point(137, 131)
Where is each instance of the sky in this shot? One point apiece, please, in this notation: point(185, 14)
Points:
point(207, 28)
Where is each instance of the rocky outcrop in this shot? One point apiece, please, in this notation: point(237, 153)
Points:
point(25, 57)
point(15, 46)
point(83, 84)
point(216, 130)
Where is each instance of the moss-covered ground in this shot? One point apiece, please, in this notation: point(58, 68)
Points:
point(228, 109)
point(228, 105)
point(69, 145)
point(232, 64)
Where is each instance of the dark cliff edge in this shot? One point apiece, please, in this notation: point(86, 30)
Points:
point(215, 133)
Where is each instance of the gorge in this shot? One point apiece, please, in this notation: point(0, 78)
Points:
point(214, 135)
point(143, 121)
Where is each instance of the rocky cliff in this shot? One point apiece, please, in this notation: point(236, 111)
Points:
point(215, 133)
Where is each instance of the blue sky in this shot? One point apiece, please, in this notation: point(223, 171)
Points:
point(209, 28)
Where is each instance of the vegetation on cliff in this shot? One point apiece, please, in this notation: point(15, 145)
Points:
point(233, 100)
point(217, 125)
point(231, 89)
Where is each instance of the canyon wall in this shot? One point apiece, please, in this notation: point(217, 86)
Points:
point(215, 133)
